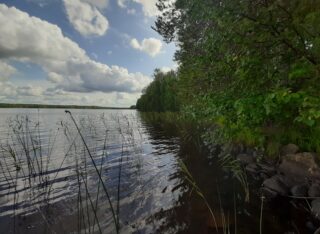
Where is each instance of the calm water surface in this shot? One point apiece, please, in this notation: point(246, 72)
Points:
point(50, 183)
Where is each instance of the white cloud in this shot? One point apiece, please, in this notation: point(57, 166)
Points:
point(165, 69)
point(29, 91)
point(86, 18)
point(54, 77)
point(174, 67)
point(149, 7)
point(6, 71)
point(97, 3)
point(122, 3)
point(151, 46)
point(69, 68)
point(10, 91)
point(24, 37)
point(131, 11)
point(7, 90)
point(135, 44)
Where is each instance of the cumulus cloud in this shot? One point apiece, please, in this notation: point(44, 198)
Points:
point(68, 67)
point(6, 71)
point(10, 91)
point(29, 91)
point(25, 37)
point(149, 7)
point(85, 16)
point(151, 46)
point(97, 3)
point(174, 67)
point(54, 77)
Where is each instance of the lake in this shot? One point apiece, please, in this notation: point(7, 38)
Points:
point(112, 171)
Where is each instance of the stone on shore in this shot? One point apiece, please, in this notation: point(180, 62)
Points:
point(289, 149)
point(300, 166)
point(276, 186)
point(253, 168)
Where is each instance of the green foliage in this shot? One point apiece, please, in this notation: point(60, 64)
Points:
point(252, 67)
point(161, 94)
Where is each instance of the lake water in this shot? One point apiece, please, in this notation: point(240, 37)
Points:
point(120, 173)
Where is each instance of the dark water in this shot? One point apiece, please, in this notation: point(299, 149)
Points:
point(50, 180)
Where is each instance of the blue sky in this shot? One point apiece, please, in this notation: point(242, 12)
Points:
point(83, 52)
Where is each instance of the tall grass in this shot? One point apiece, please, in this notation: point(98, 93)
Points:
point(29, 170)
point(227, 161)
point(195, 188)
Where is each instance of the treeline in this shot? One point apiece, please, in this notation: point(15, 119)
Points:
point(250, 66)
point(161, 94)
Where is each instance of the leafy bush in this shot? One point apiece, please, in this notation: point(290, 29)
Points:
point(251, 67)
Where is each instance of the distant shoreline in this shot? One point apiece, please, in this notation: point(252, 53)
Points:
point(44, 106)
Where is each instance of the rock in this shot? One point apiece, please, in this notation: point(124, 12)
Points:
point(311, 227)
point(315, 207)
point(268, 193)
point(314, 190)
point(263, 176)
point(245, 158)
point(276, 184)
point(299, 190)
point(252, 168)
point(300, 166)
point(289, 149)
point(267, 169)
point(306, 159)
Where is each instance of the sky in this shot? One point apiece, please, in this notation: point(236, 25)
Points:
point(79, 52)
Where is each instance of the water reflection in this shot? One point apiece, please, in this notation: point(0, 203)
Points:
point(51, 183)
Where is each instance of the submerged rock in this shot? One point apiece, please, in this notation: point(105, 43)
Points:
point(315, 207)
point(276, 185)
point(317, 231)
point(299, 190)
point(314, 190)
point(289, 149)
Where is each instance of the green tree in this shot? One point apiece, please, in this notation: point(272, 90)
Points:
point(161, 94)
point(252, 66)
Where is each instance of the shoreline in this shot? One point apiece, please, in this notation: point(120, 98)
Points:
point(295, 175)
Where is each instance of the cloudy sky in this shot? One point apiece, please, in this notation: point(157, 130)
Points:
point(83, 52)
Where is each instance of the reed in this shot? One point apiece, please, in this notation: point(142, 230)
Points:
point(228, 162)
point(97, 171)
point(195, 187)
point(27, 167)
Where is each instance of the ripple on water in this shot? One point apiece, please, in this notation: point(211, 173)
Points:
point(46, 172)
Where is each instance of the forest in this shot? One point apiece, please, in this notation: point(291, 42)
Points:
point(249, 67)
